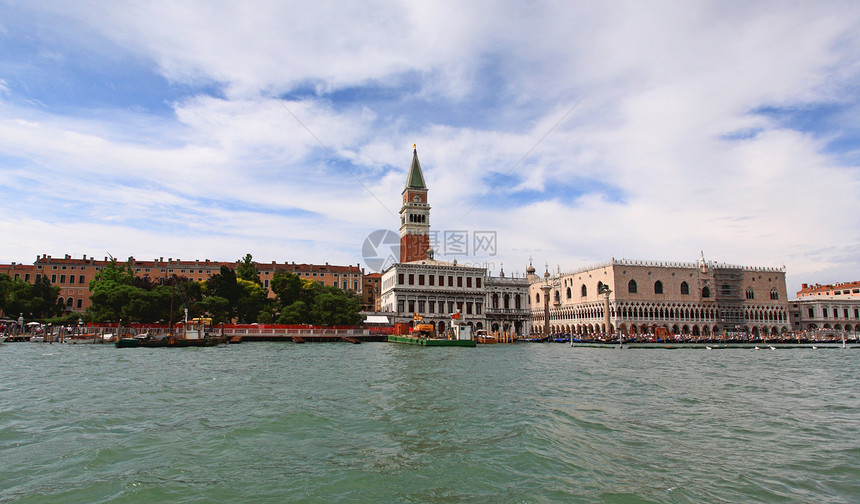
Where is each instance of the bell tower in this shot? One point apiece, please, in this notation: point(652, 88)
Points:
point(414, 215)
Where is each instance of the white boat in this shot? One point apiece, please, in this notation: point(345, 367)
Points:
point(37, 339)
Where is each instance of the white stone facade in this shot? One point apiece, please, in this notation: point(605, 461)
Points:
point(696, 299)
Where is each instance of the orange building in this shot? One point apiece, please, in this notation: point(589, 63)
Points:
point(73, 276)
point(851, 289)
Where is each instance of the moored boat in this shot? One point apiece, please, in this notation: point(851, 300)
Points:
point(425, 335)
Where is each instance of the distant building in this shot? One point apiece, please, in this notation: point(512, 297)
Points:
point(438, 290)
point(830, 307)
point(698, 298)
point(370, 291)
point(73, 276)
point(840, 290)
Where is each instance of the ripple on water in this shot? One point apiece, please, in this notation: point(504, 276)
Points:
point(382, 423)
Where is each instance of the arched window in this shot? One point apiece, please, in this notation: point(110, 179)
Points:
point(495, 300)
point(568, 293)
point(750, 293)
point(517, 301)
point(584, 290)
point(631, 287)
point(70, 302)
point(685, 288)
point(774, 294)
point(557, 296)
point(706, 292)
point(506, 300)
point(537, 297)
point(658, 287)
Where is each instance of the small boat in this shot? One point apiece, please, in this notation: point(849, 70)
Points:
point(354, 341)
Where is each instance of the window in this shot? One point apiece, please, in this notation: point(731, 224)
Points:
point(631, 287)
point(824, 313)
point(469, 282)
point(421, 306)
point(432, 279)
point(706, 292)
point(750, 294)
point(411, 306)
point(53, 279)
point(71, 279)
point(568, 293)
point(685, 289)
point(450, 281)
point(584, 290)
point(478, 308)
point(459, 281)
point(431, 305)
point(400, 307)
point(658, 287)
point(80, 303)
point(856, 312)
point(845, 311)
point(478, 283)
point(400, 280)
point(420, 279)
point(411, 279)
point(26, 277)
point(81, 279)
point(62, 279)
point(537, 297)
point(774, 294)
point(468, 308)
point(811, 313)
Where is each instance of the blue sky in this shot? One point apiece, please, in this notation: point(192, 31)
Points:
point(576, 131)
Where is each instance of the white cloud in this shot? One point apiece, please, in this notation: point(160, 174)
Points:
point(666, 151)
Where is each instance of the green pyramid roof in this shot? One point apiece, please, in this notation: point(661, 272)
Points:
point(415, 180)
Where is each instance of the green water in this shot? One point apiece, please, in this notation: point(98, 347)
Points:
point(381, 422)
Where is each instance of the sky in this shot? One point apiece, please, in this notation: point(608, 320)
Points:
point(565, 133)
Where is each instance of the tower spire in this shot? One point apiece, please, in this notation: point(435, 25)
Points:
point(415, 215)
point(415, 179)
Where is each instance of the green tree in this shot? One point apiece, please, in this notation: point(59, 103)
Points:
point(38, 300)
point(216, 307)
point(225, 285)
point(247, 270)
point(287, 288)
point(296, 313)
point(332, 306)
point(252, 300)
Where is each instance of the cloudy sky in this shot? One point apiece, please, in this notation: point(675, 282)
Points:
point(575, 131)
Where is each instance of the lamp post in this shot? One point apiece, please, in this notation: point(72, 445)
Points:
point(546, 288)
point(605, 290)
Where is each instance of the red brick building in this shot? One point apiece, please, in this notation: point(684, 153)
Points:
point(73, 276)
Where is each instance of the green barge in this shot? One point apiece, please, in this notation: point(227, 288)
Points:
point(412, 340)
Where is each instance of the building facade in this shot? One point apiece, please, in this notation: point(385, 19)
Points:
point(650, 297)
point(830, 308)
point(73, 275)
point(438, 290)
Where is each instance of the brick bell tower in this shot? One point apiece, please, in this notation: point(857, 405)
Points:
point(414, 215)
